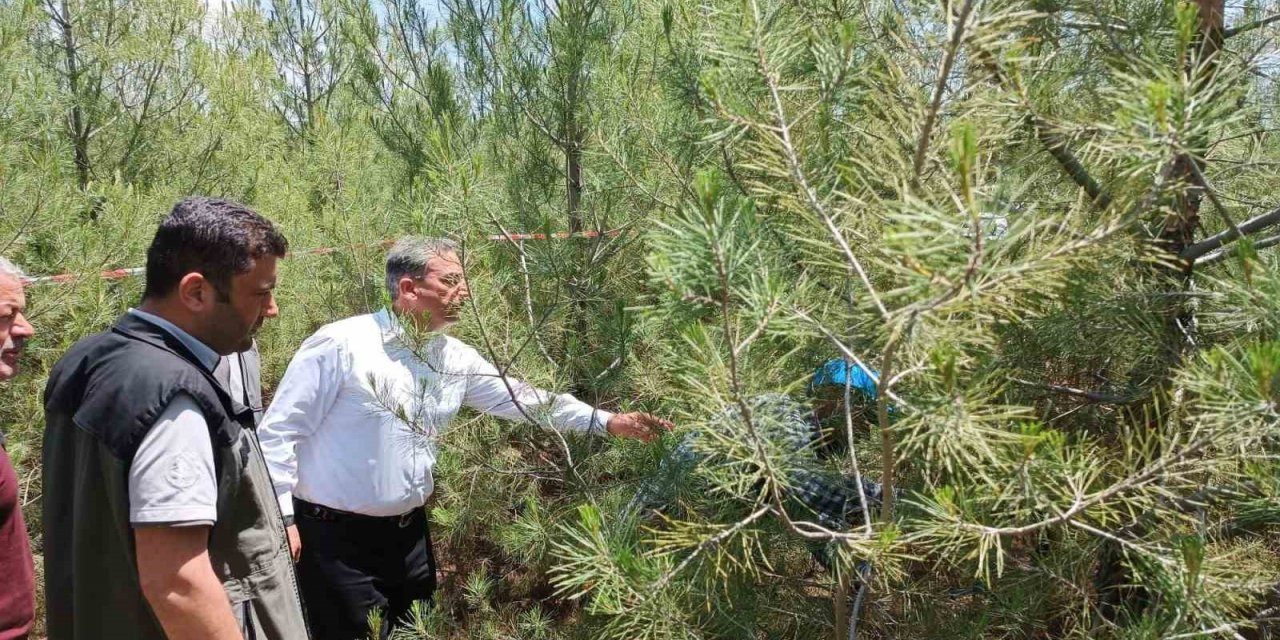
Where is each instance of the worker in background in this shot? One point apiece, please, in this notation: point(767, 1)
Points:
point(801, 439)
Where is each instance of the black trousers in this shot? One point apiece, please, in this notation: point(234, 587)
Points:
point(352, 565)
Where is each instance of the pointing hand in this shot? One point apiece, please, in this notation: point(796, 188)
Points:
point(640, 426)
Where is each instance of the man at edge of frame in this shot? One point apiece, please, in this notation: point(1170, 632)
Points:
point(17, 572)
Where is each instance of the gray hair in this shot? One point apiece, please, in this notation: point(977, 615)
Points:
point(409, 257)
point(10, 269)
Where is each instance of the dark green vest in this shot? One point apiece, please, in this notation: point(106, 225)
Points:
point(102, 398)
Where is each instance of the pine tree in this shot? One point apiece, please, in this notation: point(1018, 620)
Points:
point(1060, 403)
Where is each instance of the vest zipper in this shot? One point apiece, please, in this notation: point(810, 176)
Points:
point(284, 538)
point(250, 631)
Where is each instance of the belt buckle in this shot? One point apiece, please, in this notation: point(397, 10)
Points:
point(405, 519)
point(318, 512)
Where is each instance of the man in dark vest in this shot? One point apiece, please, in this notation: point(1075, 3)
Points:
point(159, 516)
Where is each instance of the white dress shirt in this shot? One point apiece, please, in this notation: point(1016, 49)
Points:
point(353, 424)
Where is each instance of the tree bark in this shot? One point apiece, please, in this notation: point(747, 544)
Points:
point(843, 595)
point(79, 124)
point(573, 153)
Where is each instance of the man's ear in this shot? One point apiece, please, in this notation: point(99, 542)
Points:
point(405, 287)
point(195, 292)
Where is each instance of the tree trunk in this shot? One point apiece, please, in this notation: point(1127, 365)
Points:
point(841, 599)
point(1179, 228)
point(573, 154)
point(1113, 580)
point(305, 44)
point(79, 125)
point(573, 184)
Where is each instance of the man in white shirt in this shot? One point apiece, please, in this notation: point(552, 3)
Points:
point(349, 439)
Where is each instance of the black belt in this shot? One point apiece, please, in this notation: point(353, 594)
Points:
point(315, 511)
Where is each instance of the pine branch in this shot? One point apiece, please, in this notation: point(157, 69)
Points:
point(797, 170)
point(1092, 396)
point(1081, 503)
point(853, 453)
point(1052, 142)
point(1217, 256)
point(935, 104)
point(888, 450)
point(1256, 24)
point(528, 286)
point(1232, 627)
point(1057, 147)
point(710, 543)
point(1213, 197)
point(1253, 225)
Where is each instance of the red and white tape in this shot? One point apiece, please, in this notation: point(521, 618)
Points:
point(556, 236)
point(120, 274)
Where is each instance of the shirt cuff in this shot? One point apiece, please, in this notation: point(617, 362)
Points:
point(600, 422)
point(286, 503)
point(171, 516)
point(181, 523)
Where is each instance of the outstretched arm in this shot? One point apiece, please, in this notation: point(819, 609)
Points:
point(506, 397)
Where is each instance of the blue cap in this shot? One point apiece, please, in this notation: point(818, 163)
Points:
point(836, 372)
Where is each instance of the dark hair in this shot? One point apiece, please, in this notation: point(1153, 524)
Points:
point(215, 238)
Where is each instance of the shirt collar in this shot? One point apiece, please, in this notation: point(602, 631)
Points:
point(388, 325)
point(203, 353)
point(393, 333)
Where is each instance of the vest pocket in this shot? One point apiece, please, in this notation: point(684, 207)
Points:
point(248, 537)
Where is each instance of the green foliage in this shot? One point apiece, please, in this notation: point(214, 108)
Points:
point(982, 199)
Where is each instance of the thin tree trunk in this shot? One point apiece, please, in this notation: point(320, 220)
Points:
point(573, 155)
point(304, 36)
point(1117, 594)
point(79, 124)
point(842, 596)
point(573, 185)
point(573, 203)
